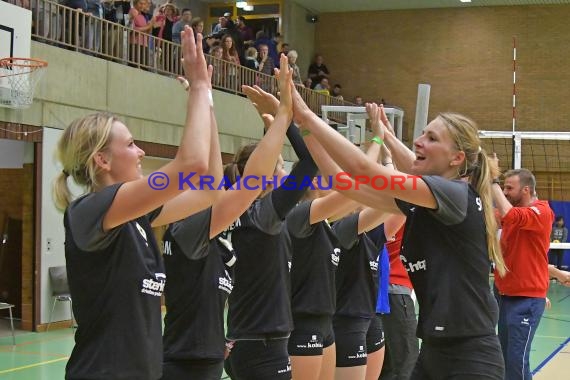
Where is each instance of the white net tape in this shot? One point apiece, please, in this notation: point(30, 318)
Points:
point(18, 80)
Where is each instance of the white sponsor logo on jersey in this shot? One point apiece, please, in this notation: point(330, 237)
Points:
point(374, 265)
point(335, 256)
point(286, 369)
point(142, 232)
point(225, 283)
point(167, 248)
point(154, 286)
point(413, 267)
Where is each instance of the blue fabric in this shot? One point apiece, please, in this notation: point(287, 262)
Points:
point(562, 208)
point(519, 318)
point(383, 302)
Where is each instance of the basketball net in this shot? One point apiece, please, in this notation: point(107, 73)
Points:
point(18, 80)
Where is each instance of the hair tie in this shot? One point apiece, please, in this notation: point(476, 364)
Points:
point(65, 173)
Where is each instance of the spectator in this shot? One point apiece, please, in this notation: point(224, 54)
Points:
point(251, 59)
point(284, 49)
point(198, 26)
point(70, 25)
point(222, 23)
point(218, 75)
point(229, 48)
point(292, 57)
point(45, 17)
point(559, 235)
point(165, 19)
point(336, 92)
point(526, 225)
point(266, 66)
point(323, 86)
point(262, 39)
point(358, 101)
point(266, 63)
point(308, 83)
point(139, 52)
point(112, 38)
point(318, 70)
point(278, 40)
point(178, 27)
point(93, 35)
point(246, 33)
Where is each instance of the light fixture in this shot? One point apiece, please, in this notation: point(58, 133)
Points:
point(248, 8)
point(465, 1)
point(241, 4)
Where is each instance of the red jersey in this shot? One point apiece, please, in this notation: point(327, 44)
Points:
point(398, 274)
point(525, 240)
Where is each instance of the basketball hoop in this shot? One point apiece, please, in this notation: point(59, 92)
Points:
point(18, 80)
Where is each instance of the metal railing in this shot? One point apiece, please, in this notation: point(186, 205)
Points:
point(82, 32)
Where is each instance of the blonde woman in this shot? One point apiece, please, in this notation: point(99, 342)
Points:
point(450, 235)
point(116, 275)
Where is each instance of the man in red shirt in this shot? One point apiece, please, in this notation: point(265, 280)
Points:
point(525, 239)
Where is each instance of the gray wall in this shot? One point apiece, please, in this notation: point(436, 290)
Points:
point(299, 33)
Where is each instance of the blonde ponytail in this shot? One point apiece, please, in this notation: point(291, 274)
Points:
point(76, 149)
point(481, 180)
point(476, 167)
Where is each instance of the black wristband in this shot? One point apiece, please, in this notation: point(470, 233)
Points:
point(496, 180)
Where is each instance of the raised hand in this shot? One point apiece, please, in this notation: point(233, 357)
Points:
point(285, 78)
point(385, 121)
point(193, 60)
point(301, 111)
point(264, 102)
point(374, 115)
point(494, 168)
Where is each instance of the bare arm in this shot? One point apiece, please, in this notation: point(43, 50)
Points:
point(337, 205)
point(192, 201)
point(392, 225)
point(411, 188)
point(137, 198)
point(370, 218)
point(561, 275)
point(501, 202)
point(261, 162)
point(402, 155)
point(345, 185)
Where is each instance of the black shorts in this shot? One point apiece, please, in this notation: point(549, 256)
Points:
point(350, 335)
point(206, 369)
point(259, 360)
point(476, 358)
point(375, 336)
point(311, 335)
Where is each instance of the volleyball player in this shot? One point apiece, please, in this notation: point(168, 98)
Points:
point(315, 257)
point(450, 237)
point(115, 271)
point(198, 261)
point(259, 315)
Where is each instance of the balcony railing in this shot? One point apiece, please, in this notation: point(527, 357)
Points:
point(79, 31)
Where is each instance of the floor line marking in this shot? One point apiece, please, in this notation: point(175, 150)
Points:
point(33, 365)
point(549, 357)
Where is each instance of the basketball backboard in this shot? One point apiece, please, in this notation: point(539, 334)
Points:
point(15, 35)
